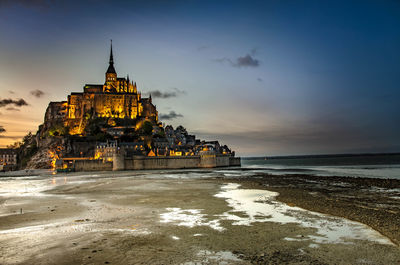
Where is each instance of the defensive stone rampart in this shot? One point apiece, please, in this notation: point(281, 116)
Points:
point(166, 162)
point(205, 160)
point(92, 165)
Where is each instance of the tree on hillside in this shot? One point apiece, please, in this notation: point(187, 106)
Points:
point(147, 128)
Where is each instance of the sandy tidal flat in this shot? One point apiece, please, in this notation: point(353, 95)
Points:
point(156, 218)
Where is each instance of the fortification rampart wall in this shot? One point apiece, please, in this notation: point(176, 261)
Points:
point(93, 165)
point(167, 162)
point(148, 163)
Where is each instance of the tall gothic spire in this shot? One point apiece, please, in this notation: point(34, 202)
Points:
point(111, 62)
point(111, 55)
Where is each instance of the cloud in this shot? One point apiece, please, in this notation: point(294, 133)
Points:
point(171, 115)
point(202, 48)
point(242, 61)
point(12, 109)
point(169, 94)
point(247, 60)
point(37, 93)
point(18, 103)
point(2, 129)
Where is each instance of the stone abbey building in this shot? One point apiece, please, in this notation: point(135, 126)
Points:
point(116, 98)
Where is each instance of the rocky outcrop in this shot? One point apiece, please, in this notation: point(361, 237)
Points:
point(41, 159)
point(49, 149)
point(54, 147)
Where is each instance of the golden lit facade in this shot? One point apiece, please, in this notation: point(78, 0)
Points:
point(117, 98)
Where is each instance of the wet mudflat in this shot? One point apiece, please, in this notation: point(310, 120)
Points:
point(375, 202)
point(173, 218)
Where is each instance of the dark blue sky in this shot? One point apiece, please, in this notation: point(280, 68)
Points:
point(266, 77)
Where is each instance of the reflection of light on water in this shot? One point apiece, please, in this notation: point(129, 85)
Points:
point(261, 206)
point(329, 229)
point(31, 186)
point(11, 188)
point(189, 218)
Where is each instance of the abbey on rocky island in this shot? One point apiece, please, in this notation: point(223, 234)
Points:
point(113, 123)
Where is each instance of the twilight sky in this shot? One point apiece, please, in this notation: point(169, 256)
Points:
point(265, 77)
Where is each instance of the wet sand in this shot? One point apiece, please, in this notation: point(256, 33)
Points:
point(169, 218)
point(375, 202)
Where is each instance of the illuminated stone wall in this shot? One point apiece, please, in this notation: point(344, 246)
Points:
point(117, 105)
point(123, 102)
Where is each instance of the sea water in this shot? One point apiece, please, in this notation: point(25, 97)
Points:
point(372, 166)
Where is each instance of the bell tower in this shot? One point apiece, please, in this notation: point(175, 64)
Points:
point(111, 75)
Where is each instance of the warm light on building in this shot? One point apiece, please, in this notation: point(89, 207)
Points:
point(117, 98)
